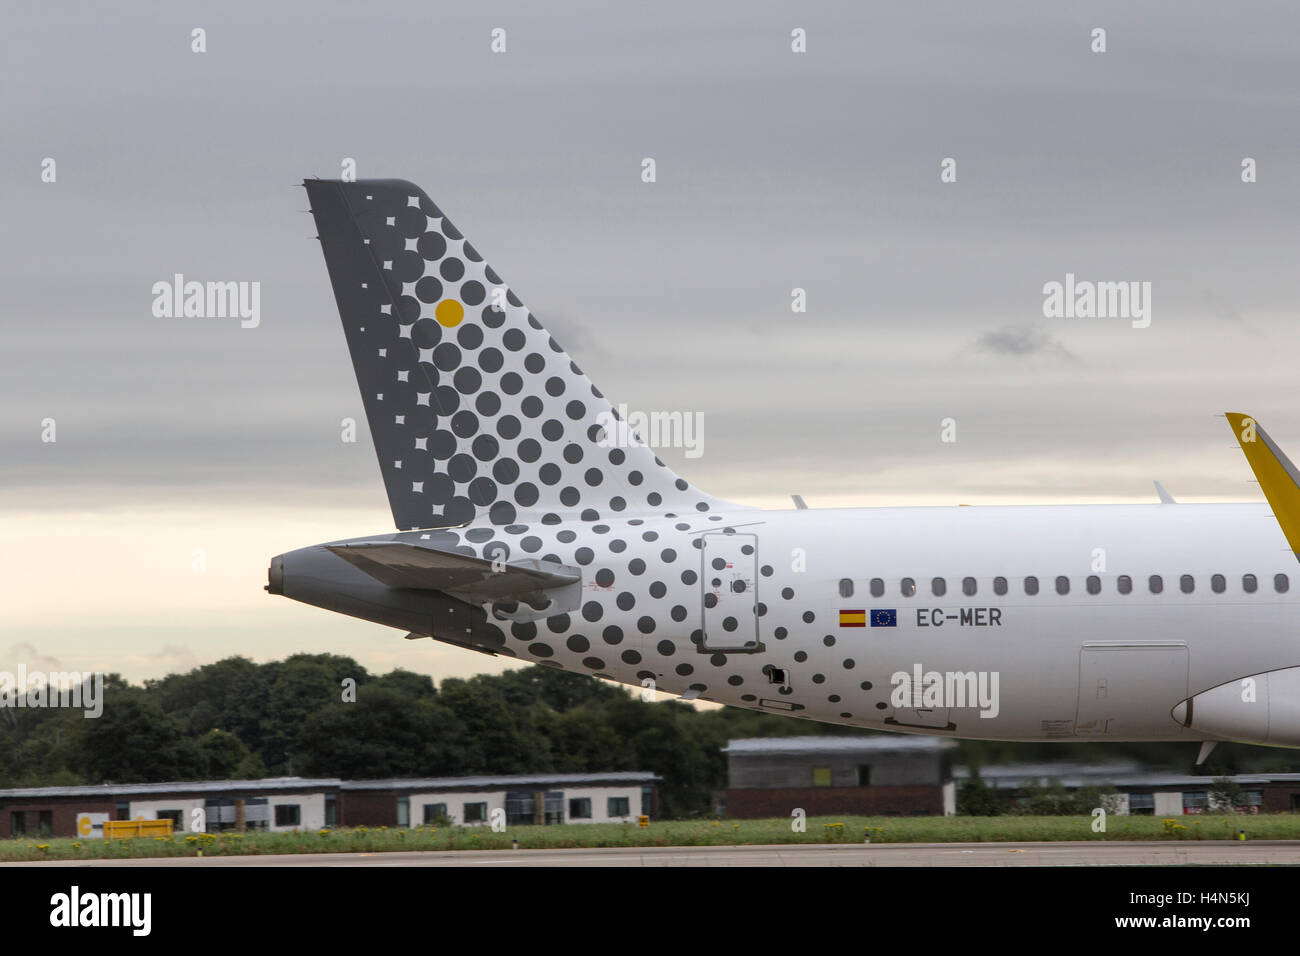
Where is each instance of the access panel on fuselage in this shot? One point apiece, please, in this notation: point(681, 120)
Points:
point(729, 585)
point(1126, 691)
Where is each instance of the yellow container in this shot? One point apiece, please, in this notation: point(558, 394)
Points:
point(127, 829)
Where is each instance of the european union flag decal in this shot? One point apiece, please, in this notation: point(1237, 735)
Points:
point(884, 618)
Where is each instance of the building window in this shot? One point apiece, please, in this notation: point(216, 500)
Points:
point(45, 822)
point(1142, 804)
point(938, 587)
point(331, 809)
point(1186, 584)
point(877, 587)
point(288, 815)
point(1031, 585)
point(404, 811)
point(474, 812)
point(123, 811)
point(1062, 584)
point(968, 586)
point(821, 776)
point(999, 586)
point(1218, 583)
point(1280, 583)
point(1124, 584)
point(1195, 801)
point(1093, 584)
point(618, 807)
point(174, 816)
point(435, 812)
point(1156, 583)
point(1251, 800)
point(1248, 583)
point(580, 808)
point(908, 587)
point(864, 775)
point(846, 587)
point(17, 823)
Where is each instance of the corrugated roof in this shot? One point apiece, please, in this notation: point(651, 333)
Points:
point(1118, 774)
point(182, 786)
point(478, 783)
point(815, 745)
point(324, 783)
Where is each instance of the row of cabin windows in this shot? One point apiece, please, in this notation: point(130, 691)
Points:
point(1092, 584)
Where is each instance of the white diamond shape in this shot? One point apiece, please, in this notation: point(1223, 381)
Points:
point(410, 245)
point(426, 355)
point(400, 419)
point(401, 376)
point(386, 309)
point(391, 221)
point(383, 353)
point(422, 398)
point(417, 486)
point(413, 201)
point(397, 464)
point(422, 444)
point(404, 332)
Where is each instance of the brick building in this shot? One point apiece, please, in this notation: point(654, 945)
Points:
point(884, 774)
point(295, 803)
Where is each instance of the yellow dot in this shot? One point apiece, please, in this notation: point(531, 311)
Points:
point(449, 313)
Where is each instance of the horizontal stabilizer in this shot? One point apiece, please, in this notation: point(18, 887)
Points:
point(1277, 476)
point(407, 566)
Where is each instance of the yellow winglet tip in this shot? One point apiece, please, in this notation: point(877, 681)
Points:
point(1278, 477)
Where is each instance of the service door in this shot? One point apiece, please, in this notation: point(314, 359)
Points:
point(1127, 690)
point(729, 582)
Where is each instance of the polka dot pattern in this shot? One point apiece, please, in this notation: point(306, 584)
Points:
point(447, 356)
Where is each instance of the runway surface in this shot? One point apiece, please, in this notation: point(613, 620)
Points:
point(911, 854)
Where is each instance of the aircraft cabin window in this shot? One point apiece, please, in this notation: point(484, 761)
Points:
point(1248, 583)
point(1124, 584)
point(1031, 585)
point(1280, 583)
point(1156, 583)
point(846, 587)
point(877, 587)
point(938, 587)
point(908, 587)
point(1062, 584)
point(1186, 584)
point(968, 586)
point(1218, 583)
point(999, 585)
point(1094, 584)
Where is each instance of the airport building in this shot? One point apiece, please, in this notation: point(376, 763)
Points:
point(1142, 790)
point(295, 803)
point(887, 774)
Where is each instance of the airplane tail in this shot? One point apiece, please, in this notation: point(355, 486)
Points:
point(476, 412)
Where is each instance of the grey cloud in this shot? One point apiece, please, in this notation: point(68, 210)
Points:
point(1024, 341)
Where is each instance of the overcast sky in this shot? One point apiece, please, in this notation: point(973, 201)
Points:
point(775, 170)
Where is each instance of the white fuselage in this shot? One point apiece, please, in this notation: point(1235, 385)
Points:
point(1108, 665)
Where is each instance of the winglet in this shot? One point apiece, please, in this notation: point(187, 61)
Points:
point(1278, 477)
point(1165, 497)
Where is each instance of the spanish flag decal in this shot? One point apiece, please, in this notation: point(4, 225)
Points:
point(853, 618)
